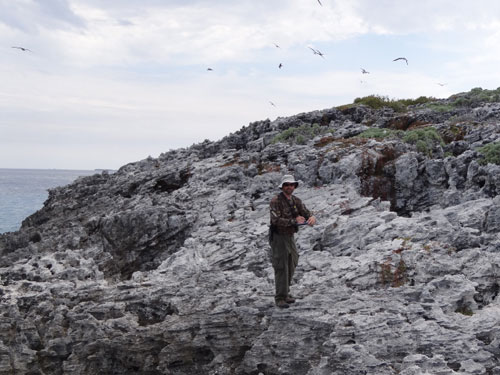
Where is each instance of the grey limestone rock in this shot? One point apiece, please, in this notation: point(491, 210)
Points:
point(163, 266)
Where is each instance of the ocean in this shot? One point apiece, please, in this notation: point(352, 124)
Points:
point(23, 192)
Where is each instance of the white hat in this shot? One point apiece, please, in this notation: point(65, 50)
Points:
point(288, 179)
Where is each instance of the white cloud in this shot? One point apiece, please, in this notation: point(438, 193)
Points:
point(205, 33)
point(130, 77)
point(31, 15)
point(426, 16)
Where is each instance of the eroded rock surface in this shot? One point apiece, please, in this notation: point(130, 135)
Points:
point(162, 267)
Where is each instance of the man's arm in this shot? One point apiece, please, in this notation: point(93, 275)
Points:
point(303, 211)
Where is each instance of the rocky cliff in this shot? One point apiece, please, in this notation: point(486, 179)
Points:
point(162, 267)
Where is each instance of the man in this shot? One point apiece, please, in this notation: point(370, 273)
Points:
point(287, 213)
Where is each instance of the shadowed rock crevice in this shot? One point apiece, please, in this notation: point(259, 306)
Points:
point(377, 174)
point(487, 294)
point(172, 182)
point(405, 123)
point(151, 311)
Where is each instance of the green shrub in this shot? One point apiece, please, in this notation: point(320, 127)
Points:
point(424, 138)
point(423, 147)
point(476, 96)
point(299, 135)
point(436, 107)
point(373, 101)
point(464, 310)
point(399, 105)
point(377, 102)
point(427, 134)
point(419, 100)
point(491, 153)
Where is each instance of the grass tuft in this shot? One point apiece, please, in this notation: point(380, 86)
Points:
point(491, 154)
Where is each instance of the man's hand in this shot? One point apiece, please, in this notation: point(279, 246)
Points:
point(311, 220)
point(300, 219)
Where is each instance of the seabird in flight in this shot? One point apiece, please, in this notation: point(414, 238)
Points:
point(320, 3)
point(23, 49)
point(441, 84)
point(274, 105)
point(317, 52)
point(209, 69)
point(364, 71)
point(401, 58)
point(280, 65)
point(276, 45)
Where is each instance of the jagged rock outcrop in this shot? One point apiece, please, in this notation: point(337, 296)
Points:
point(162, 267)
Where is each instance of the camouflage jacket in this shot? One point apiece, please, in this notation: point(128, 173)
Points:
point(283, 213)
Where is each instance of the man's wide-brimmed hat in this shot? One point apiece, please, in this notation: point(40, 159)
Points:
point(288, 179)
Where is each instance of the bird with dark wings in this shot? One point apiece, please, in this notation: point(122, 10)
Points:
point(22, 49)
point(401, 58)
point(317, 52)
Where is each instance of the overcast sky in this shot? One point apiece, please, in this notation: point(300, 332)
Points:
point(108, 82)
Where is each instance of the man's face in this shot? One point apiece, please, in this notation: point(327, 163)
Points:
point(288, 188)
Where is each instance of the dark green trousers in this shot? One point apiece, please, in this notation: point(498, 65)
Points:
point(285, 259)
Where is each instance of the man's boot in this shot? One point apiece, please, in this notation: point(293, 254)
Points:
point(282, 304)
point(290, 299)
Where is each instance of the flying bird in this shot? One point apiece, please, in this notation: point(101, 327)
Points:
point(317, 52)
point(280, 65)
point(276, 45)
point(320, 3)
point(274, 105)
point(364, 71)
point(209, 69)
point(441, 84)
point(401, 58)
point(23, 49)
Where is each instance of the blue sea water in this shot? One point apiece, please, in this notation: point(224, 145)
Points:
point(23, 191)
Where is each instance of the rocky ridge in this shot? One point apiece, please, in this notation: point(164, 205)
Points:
point(162, 267)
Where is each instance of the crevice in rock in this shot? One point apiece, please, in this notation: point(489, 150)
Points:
point(238, 358)
point(130, 190)
point(152, 311)
point(257, 268)
point(455, 366)
point(486, 295)
point(172, 181)
point(377, 175)
point(405, 123)
point(191, 360)
point(484, 337)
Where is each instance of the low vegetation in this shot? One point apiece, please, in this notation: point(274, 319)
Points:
point(441, 107)
point(475, 96)
point(300, 135)
point(424, 138)
point(396, 277)
point(398, 105)
point(464, 310)
point(399, 276)
point(467, 99)
point(491, 154)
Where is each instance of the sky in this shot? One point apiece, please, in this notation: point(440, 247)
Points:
point(108, 82)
